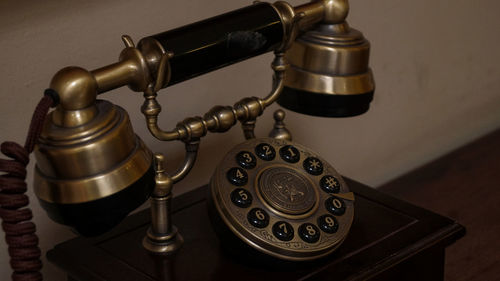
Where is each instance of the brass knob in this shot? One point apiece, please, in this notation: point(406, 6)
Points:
point(279, 131)
point(335, 11)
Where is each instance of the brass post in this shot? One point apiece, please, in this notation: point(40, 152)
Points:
point(162, 237)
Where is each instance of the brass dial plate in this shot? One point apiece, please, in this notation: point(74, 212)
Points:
point(273, 203)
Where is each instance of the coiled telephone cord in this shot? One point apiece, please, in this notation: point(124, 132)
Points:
point(16, 220)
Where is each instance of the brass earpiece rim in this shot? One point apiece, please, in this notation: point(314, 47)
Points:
point(330, 85)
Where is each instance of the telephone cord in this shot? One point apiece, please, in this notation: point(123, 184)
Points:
point(19, 230)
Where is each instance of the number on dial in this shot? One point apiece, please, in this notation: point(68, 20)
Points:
point(328, 223)
point(283, 231)
point(335, 205)
point(258, 218)
point(265, 151)
point(246, 160)
point(309, 233)
point(237, 176)
point(241, 198)
point(290, 154)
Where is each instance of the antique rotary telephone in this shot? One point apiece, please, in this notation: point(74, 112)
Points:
point(276, 196)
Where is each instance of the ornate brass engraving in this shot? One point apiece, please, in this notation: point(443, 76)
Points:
point(286, 190)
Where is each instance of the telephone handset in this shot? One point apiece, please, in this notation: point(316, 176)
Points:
point(282, 199)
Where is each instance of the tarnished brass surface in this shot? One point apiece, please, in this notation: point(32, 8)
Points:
point(303, 17)
point(330, 59)
point(335, 11)
point(73, 118)
point(189, 160)
point(279, 130)
point(77, 90)
point(101, 143)
point(287, 193)
point(75, 86)
point(313, 12)
point(163, 245)
point(162, 236)
point(286, 13)
point(334, 85)
point(87, 149)
point(132, 70)
point(146, 69)
point(332, 49)
point(91, 161)
point(79, 190)
point(289, 19)
point(153, 51)
point(219, 118)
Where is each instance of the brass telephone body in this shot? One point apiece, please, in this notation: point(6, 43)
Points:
point(281, 199)
point(277, 196)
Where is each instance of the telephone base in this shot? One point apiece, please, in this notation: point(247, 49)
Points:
point(389, 240)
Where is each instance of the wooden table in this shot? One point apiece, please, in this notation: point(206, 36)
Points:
point(464, 185)
point(389, 239)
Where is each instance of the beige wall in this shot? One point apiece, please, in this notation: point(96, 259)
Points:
point(436, 64)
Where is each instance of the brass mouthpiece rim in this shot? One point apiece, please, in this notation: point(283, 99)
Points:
point(81, 190)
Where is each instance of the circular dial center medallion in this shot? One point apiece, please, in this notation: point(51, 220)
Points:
point(286, 190)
